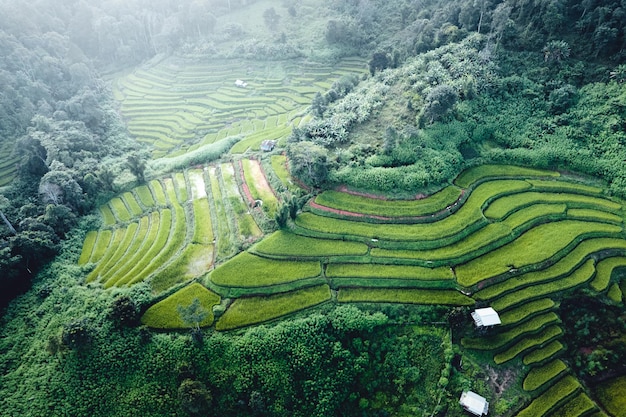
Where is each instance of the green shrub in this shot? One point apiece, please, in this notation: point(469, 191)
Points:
point(541, 405)
point(501, 339)
point(473, 175)
point(543, 353)
point(576, 407)
point(403, 295)
point(88, 247)
point(390, 208)
point(578, 277)
point(525, 310)
point(534, 246)
point(353, 270)
point(165, 314)
point(247, 270)
point(252, 310)
point(564, 266)
point(528, 342)
point(543, 374)
point(284, 243)
point(604, 270)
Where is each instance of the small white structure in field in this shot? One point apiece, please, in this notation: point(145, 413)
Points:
point(485, 317)
point(241, 83)
point(474, 403)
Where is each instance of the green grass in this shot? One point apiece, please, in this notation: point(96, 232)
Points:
point(119, 209)
point(615, 293)
point(472, 175)
point(503, 338)
point(352, 270)
point(246, 270)
point(612, 395)
point(525, 310)
point(578, 277)
point(284, 243)
point(101, 245)
point(88, 246)
point(133, 251)
point(508, 204)
point(575, 407)
point(534, 246)
point(131, 202)
point(165, 314)
point(403, 295)
point(251, 310)
point(563, 266)
point(604, 270)
point(390, 208)
point(145, 196)
point(193, 261)
point(527, 343)
point(541, 375)
point(541, 405)
point(543, 353)
point(107, 215)
point(203, 228)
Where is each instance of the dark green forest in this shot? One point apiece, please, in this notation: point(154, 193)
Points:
point(446, 86)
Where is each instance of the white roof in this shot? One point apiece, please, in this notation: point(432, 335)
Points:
point(474, 403)
point(486, 317)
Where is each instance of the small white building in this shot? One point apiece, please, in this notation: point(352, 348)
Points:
point(485, 317)
point(474, 403)
point(241, 83)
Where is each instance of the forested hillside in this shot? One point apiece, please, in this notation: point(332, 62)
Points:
point(289, 208)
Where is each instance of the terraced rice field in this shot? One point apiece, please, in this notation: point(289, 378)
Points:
point(178, 108)
point(8, 164)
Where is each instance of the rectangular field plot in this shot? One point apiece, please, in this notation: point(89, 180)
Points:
point(194, 261)
point(196, 184)
point(543, 353)
point(604, 270)
point(284, 243)
point(203, 227)
point(259, 187)
point(390, 208)
point(612, 395)
point(107, 215)
point(279, 165)
point(133, 252)
point(251, 310)
point(245, 222)
point(131, 202)
point(534, 246)
point(527, 343)
point(246, 270)
point(520, 313)
point(402, 295)
point(88, 245)
point(576, 407)
point(145, 196)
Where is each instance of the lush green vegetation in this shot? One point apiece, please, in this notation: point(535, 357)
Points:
point(429, 157)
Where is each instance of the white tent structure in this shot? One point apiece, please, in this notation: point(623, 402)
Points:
point(474, 403)
point(485, 317)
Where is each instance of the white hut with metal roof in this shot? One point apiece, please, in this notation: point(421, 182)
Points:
point(474, 403)
point(486, 317)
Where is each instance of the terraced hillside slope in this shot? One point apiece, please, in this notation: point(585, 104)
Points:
point(8, 164)
point(177, 108)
